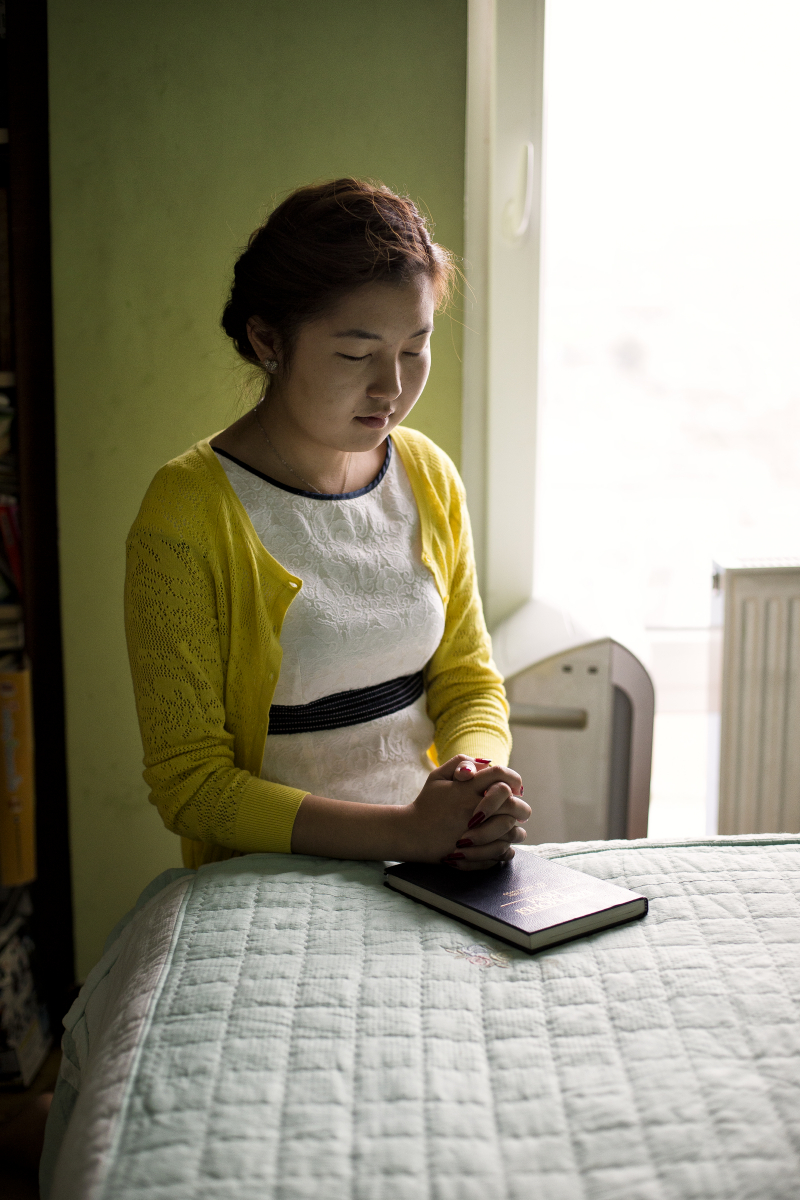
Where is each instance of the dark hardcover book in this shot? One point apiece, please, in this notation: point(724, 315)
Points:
point(529, 901)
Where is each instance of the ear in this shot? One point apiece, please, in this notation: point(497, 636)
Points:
point(263, 339)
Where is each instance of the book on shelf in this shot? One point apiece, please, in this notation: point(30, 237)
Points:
point(529, 901)
point(6, 421)
point(24, 1026)
point(12, 636)
point(10, 534)
point(8, 589)
point(17, 792)
point(6, 326)
point(12, 629)
point(9, 482)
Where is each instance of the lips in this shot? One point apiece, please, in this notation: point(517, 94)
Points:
point(376, 421)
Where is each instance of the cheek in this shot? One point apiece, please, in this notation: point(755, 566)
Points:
point(320, 390)
point(416, 374)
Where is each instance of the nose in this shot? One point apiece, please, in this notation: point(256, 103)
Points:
point(386, 383)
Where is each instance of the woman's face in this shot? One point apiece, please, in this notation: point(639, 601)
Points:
point(357, 370)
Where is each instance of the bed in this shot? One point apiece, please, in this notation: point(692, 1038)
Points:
point(287, 1027)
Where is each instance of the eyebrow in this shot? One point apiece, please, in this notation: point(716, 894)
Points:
point(376, 337)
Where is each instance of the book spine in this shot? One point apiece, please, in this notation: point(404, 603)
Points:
point(17, 793)
point(6, 330)
point(12, 636)
point(9, 529)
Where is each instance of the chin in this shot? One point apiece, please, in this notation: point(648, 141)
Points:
point(369, 437)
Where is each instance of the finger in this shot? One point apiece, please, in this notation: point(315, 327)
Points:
point(490, 802)
point(500, 775)
point(500, 828)
point(500, 852)
point(468, 768)
point(516, 808)
point(447, 770)
point(465, 770)
point(492, 850)
point(488, 831)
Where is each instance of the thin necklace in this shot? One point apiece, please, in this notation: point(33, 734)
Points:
point(297, 474)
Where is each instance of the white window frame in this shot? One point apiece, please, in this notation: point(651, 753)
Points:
point(501, 334)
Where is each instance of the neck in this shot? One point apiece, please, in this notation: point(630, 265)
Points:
point(320, 468)
point(289, 456)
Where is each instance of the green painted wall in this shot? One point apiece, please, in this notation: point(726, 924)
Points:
point(174, 126)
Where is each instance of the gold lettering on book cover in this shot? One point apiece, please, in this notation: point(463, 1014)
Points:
point(545, 900)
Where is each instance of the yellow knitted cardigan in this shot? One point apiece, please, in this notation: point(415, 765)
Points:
point(204, 607)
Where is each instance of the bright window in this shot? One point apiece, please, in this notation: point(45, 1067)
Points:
point(670, 352)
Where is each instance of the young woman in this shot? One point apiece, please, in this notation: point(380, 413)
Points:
point(302, 615)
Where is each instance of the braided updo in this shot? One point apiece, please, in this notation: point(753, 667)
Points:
point(322, 242)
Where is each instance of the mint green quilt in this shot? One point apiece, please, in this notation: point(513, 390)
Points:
point(280, 1027)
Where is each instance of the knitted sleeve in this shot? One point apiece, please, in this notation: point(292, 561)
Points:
point(465, 694)
point(176, 657)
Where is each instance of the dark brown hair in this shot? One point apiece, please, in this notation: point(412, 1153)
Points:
point(324, 241)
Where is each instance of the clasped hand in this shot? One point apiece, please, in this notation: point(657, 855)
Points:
point(468, 815)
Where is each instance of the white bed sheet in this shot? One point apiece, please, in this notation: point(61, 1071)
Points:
point(279, 1027)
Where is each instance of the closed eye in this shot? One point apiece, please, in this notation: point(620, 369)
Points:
point(364, 357)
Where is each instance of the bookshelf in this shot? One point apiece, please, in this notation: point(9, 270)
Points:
point(28, 468)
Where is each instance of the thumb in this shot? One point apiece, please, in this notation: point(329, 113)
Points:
point(461, 766)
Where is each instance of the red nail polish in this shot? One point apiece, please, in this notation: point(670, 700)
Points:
point(485, 761)
point(451, 857)
point(521, 789)
point(464, 842)
point(476, 820)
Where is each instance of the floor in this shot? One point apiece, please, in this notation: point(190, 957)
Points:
point(20, 1130)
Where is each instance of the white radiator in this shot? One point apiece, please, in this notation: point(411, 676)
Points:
point(759, 785)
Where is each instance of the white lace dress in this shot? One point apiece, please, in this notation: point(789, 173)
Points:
point(368, 612)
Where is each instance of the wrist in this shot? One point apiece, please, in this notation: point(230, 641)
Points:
point(346, 829)
point(406, 833)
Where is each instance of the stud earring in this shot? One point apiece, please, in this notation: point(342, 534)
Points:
point(271, 365)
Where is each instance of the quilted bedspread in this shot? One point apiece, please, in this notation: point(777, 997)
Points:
point(279, 1027)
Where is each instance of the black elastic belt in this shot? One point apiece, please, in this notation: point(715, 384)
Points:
point(347, 708)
